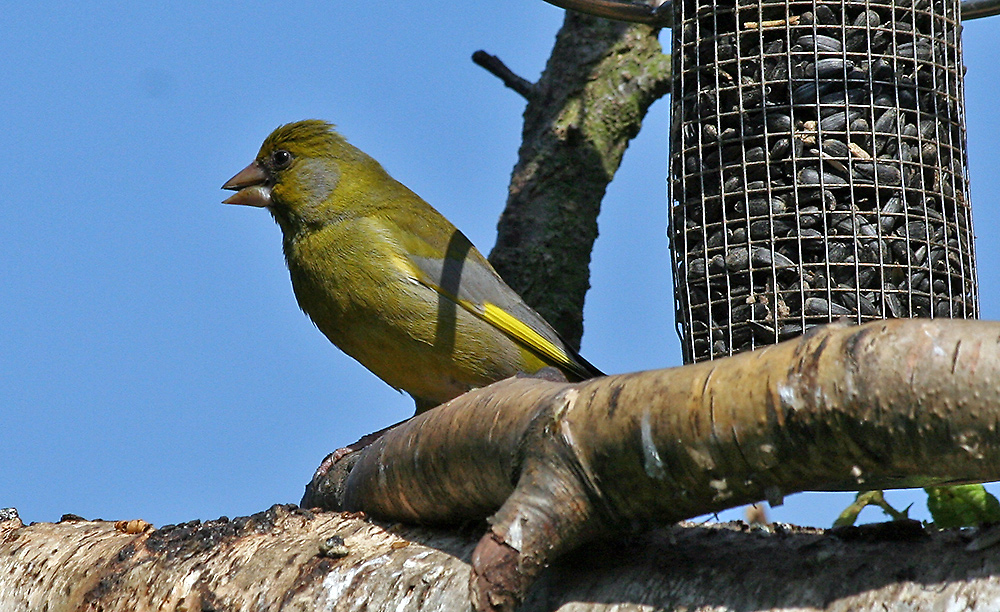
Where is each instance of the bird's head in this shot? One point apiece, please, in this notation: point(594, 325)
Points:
point(297, 170)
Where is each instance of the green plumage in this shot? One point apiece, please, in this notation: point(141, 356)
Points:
point(387, 278)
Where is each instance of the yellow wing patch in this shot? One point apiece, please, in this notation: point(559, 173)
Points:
point(512, 326)
point(504, 321)
point(499, 318)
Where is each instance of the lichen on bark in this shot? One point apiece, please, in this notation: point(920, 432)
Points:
point(588, 104)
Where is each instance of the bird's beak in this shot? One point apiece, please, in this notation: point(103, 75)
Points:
point(250, 185)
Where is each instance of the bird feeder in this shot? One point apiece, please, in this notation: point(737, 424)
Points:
point(818, 168)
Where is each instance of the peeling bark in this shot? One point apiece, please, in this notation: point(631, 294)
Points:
point(269, 561)
point(273, 561)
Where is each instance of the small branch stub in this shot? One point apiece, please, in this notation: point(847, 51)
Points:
point(496, 67)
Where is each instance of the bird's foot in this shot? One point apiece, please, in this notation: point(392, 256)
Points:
point(326, 489)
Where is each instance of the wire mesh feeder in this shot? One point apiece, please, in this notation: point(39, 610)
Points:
point(818, 168)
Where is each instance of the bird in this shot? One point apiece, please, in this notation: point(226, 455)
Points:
point(387, 278)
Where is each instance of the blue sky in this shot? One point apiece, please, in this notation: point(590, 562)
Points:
point(153, 362)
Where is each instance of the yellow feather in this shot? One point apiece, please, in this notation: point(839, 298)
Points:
point(502, 320)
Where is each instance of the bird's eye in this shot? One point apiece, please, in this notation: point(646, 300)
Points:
point(280, 159)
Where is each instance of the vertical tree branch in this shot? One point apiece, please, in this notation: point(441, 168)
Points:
point(588, 104)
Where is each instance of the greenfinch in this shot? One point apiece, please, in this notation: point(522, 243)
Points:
point(387, 278)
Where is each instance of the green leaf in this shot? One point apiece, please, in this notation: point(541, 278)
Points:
point(962, 506)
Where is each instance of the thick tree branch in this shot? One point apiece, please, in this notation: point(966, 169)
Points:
point(588, 104)
point(888, 404)
point(279, 560)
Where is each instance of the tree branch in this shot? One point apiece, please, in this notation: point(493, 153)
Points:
point(497, 68)
point(275, 560)
point(658, 14)
point(588, 104)
point(890, 404)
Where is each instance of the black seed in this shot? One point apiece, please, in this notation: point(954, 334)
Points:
point(819, 43)
point(819, 306)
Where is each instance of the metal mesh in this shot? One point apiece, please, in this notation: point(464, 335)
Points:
point(818, 168)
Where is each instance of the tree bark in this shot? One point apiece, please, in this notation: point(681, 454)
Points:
point(588, 104)
point(899, 403)
point(274, 561)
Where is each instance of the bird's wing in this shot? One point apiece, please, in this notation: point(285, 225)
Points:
point(464, 276)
